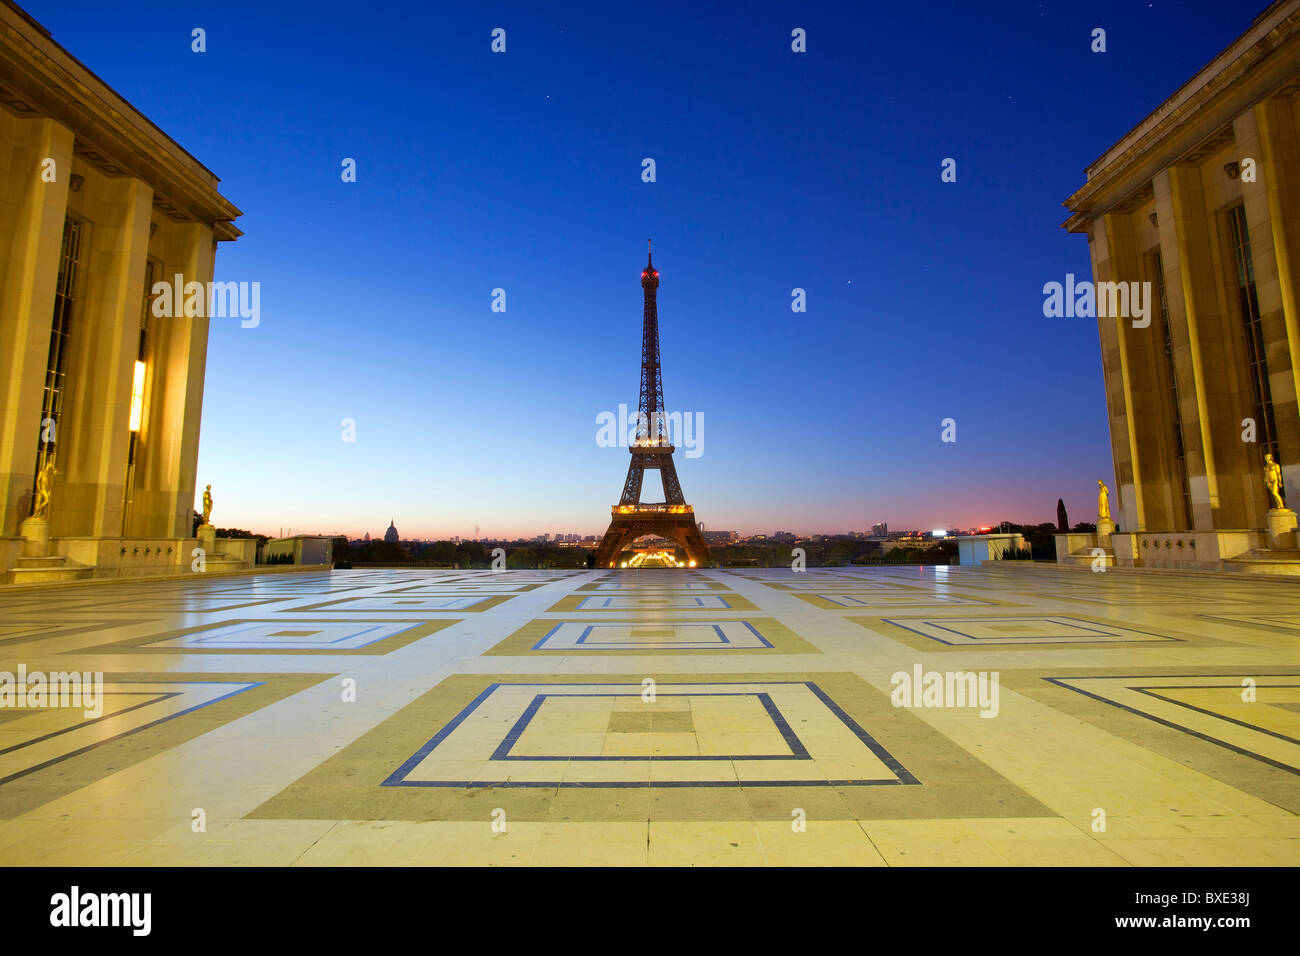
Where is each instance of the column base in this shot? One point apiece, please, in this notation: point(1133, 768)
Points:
point(1281, 523)
point(36, 532)
point(1105, 528)
point(207, 536)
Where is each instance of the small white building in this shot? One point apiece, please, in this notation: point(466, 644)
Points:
point(975, 549)
point(305, 548)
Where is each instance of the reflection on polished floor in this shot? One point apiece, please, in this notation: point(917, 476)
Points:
point(999, 715)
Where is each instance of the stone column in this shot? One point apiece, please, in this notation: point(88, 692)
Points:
point(1269, 135)
point(1112, 249)
point(1192, 285)
point(165, 478)
point(29, 259)
point(100, 371)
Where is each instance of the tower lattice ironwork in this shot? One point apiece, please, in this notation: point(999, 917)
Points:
point(632, 518)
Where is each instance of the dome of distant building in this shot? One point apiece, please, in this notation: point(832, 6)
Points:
point(391, 534)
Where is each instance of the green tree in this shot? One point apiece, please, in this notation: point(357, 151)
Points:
point(471, 554)
point(521, 558)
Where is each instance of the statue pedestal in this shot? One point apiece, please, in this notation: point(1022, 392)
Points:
point(1105, 528)
point(1281, 528)
point(207, 536)
point(36, 532)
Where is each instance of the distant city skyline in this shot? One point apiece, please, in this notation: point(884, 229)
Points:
point(775, 171)
point(596, 535)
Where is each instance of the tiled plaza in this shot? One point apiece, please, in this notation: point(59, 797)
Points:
point(743, 717)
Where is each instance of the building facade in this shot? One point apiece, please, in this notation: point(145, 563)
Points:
point(96, 391)
point(1195, 215)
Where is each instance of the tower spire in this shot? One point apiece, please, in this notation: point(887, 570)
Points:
point(651, 418)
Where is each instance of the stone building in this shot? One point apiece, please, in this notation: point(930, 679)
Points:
point(96, 205)
point(1195, 216)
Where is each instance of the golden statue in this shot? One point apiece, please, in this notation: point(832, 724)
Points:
point(207, 505)
point(1273, 481)
point(1103, 501)
point(44, 489)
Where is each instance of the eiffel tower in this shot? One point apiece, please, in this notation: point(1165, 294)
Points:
point(631, 518)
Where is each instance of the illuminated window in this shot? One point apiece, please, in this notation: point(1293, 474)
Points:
point(139, 413)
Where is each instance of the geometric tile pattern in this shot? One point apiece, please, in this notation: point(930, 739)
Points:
point(409, 603)
point(556, 735)
point(1135, 599)
point(1214, 708)
point(880, 598)
point(24, 628)
point(1021, 629)
point(823, 585)
point(653, 587)
point(287, 636)
point(673, 635)
point(1284, 623)
point(323, 635)
point(52, 752)
point(39, 738)
point(459, 588)
point(653, 600)
point(597, 635)
point(387, 715)
point(171, 603)
point(709, 747)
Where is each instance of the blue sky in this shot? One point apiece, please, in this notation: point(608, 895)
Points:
point(522, 171)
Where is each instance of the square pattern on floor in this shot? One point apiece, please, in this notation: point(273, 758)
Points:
point(857, 600)
point(571, 735)
point(672, 635)
point(655, 601)
point(653, 635)
point(408, 603)
point(1258, 717)
point(1023, 629)
point(288, 636)
point(40, 736)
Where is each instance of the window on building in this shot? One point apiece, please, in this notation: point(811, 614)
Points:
point(56, 366)
point(139, 411)
point(1173, 409)
point(1256, 362)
